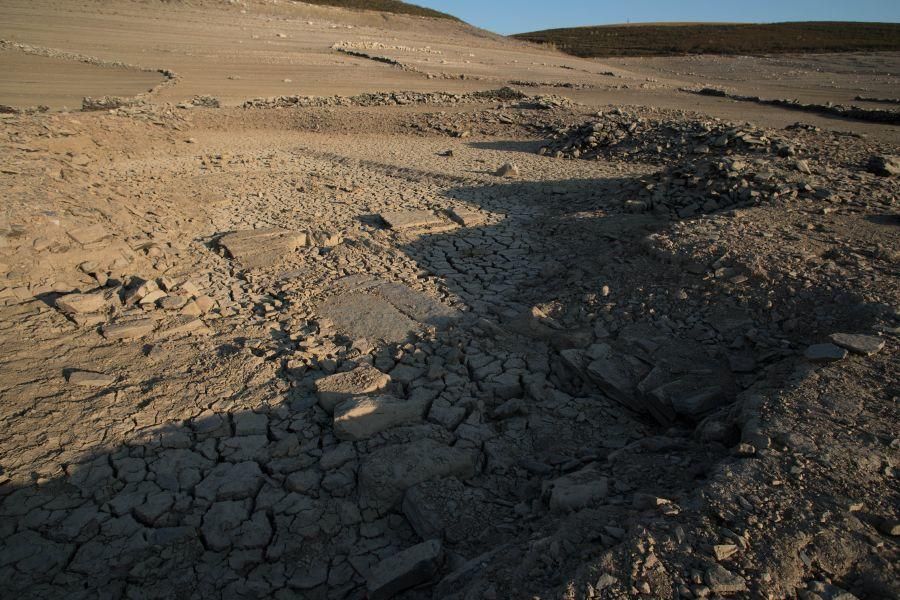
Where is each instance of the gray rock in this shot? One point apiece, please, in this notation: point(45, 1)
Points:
point(822, 353)
point(90, 379)
point(362, 417)
point(576, 490)
point(415, 219)
point(508, 170)
point(722, 581)
point(337, 388)
point(81, 303)
point(250, 423)
point(867, 345)
point(129, 329)
point(404, 570)
point(257, 248)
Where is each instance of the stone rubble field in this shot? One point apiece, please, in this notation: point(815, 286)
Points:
point(468, 345)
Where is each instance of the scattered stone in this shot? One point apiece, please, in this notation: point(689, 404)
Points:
point(822, 353)
point(259, 248)
point(724, 551)
point(362, 417)
point(406, 569)
point(90, 379)
point(402, 220)
point(577, 490)
point(81, 303)
point(129, 329)
point(722, 581)
point(867, 345)
point(884, 166)
point(335, 389)
point(88, 235)
point(508, 170)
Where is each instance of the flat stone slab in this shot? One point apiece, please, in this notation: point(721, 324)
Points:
point(406, 569)
point(81, 303)
point(257, 248)
point(129, 329)
point(388, 472)
point(88, 235)
point(90, 379)
point(722, 581)
point(867, 345)
point(385, 311)
point(402, 220)
point(823, 353)
point(468, 217)
point(362, 417)
point(577, 490)
point(335, 389)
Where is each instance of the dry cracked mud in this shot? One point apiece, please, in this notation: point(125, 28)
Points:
point(469, 341)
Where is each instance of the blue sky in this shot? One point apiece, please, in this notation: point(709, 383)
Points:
point(516, 16)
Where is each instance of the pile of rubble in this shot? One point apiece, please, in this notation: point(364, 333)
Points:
point(655, 137)
point(386, 99)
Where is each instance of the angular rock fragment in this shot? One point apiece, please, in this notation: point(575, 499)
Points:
point(822, 353)
point(257, 248)
point(467, 217)
point(576, 490)
point(722, 581)
point(129, 329)
point(88, 235)
point(508, 170)
point(362, 417)
point(334, 389)
point(402, 220)
point(404, 570)
point(90, 379)
point(72, 304)
point(867, 345)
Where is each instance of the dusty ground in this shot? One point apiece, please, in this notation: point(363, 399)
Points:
point(306, 352)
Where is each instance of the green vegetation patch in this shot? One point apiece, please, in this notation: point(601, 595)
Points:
point(714, 38)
